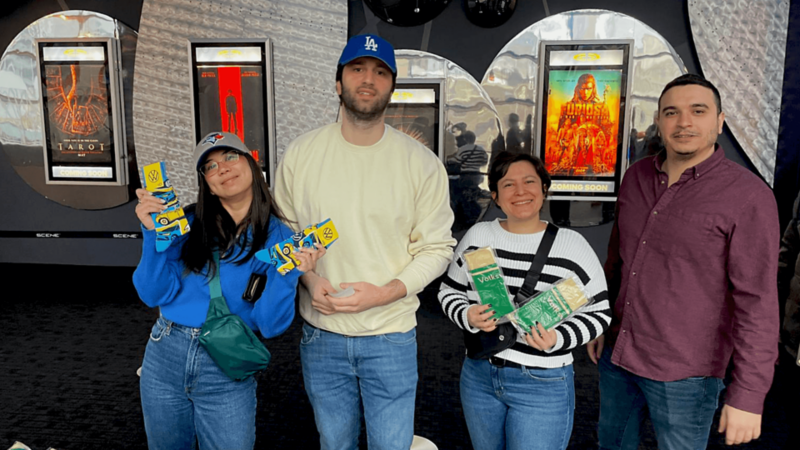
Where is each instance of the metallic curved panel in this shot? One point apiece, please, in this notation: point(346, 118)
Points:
point(742, 47)
point(20, 114)
point(467, 109)
point(511, 81)
point(308, 36)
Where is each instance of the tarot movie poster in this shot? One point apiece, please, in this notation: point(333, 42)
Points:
point(230, 99)
point(78, 113)
point(583, 122)
point(420, 121)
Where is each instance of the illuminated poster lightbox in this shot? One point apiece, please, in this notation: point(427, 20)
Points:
point(582, 125)
point(81, 103)
point(232, 90)
point(417, 109)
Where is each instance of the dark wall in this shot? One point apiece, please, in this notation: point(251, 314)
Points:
point(450, 35)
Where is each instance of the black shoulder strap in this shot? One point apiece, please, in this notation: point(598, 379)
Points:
point(529, 286)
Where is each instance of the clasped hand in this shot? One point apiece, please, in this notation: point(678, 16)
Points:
point(481, 317)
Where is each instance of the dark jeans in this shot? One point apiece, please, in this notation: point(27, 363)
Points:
point(681, 411)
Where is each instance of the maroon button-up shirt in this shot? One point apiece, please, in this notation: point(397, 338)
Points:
point(694, 266)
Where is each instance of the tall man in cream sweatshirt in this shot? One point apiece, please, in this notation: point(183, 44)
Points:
point(388, 197)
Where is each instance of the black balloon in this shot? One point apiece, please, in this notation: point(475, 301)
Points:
point(489, 13)
point(407, 13)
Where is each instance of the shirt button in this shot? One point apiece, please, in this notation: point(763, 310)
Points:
point(627, 303)
point(623, 331)
point(634, 273)
point(662, 181)
point(644, 242)
point(655, 213)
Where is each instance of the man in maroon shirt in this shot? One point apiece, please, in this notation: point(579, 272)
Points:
point(692, 267)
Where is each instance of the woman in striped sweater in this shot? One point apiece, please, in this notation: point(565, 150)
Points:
point(523, 397)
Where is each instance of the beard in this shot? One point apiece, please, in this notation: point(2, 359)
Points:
point(367, 113)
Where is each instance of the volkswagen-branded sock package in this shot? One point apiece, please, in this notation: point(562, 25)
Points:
point(170, 223)
point(553, 306)
point(487, 279)
point(281, 255)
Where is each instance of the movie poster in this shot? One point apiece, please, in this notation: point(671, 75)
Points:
point(418, 121)
point(582, 125)
point(230, 98)
point(78, 114)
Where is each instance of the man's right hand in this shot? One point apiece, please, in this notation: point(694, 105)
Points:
point(319, 288)
point(480, 317)
point(595, 348)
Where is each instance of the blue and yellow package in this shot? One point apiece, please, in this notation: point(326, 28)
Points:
point(170, 223)
point(281, 255)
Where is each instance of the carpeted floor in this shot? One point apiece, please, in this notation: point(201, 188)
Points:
point(74, 336)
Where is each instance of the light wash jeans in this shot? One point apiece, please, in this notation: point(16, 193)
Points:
point(681, 411)
point(187, 399)
point(517, 408)
point(340, 372)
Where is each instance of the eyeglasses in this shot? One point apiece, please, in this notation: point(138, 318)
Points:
point(212, 167)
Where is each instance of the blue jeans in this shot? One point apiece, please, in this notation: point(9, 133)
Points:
point(187, 399)
point(681, 411)
point(517, 408)
point(340, 372)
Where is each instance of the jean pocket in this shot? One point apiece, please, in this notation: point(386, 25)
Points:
point(409, 337)
point(158, 331)
point(546, 375)
point(310, 334)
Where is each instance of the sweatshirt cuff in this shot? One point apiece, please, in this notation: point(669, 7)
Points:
point(464, 320)
point(744, 399)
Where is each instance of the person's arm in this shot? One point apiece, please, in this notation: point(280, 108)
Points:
point(274, 311)
point(157, 278)
point(431, 242)
point(752, 275)
point(593, 320)
point(787, 257)
point(453, 297)
point(430, 248)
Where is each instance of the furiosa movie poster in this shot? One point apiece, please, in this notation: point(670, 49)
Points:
point(583, 122)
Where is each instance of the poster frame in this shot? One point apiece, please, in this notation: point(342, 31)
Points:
point(112, 61)
point(626, 66)
point(268, 96)
point(437, 84)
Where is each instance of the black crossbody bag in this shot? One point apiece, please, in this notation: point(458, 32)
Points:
point(482, 345)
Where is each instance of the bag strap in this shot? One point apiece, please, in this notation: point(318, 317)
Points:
point(529, 286)
point(214, 287)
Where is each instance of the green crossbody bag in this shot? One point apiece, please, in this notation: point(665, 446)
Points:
point(228, 340)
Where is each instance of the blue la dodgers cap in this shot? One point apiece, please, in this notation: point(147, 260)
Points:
point(369, 45)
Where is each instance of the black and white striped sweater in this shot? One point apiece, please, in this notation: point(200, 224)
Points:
point(570, 254)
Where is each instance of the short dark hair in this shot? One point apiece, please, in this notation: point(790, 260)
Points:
point(340, 69)
point(692, 79)
point(504, 160)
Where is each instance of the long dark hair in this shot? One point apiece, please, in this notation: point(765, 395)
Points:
point(213, 228)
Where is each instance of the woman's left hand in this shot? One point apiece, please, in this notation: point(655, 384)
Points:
point(542, 340)
point(308, 257)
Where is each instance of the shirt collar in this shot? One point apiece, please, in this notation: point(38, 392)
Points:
point(700, 169)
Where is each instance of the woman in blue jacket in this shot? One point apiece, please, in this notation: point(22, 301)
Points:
point(186, 398)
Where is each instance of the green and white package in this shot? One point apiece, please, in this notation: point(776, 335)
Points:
point(552, 306)
point(487, 278)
